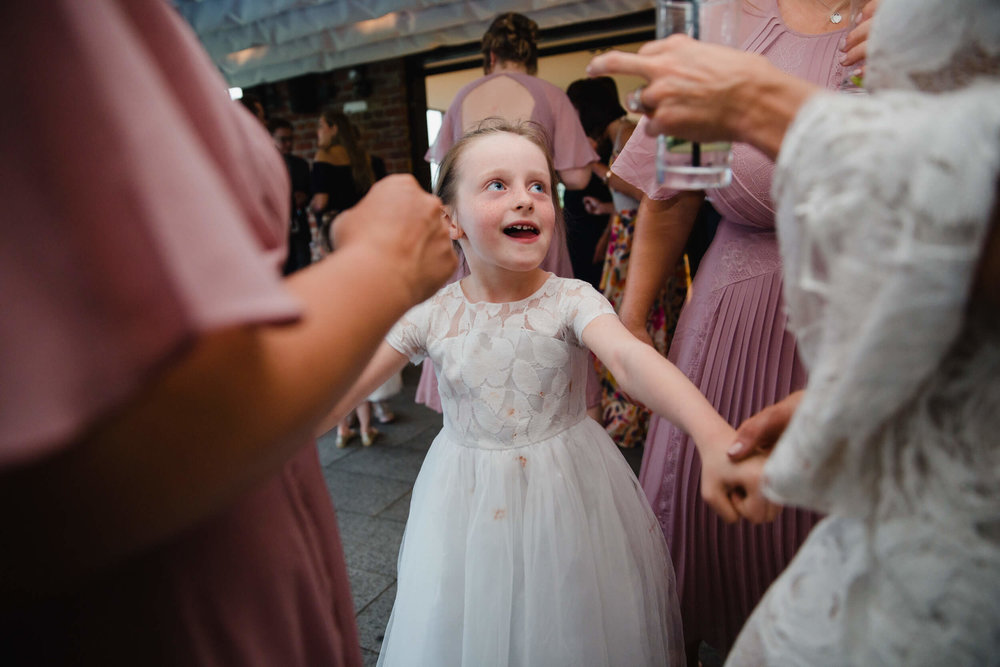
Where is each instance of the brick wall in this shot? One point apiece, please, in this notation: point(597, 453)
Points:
point(384, 125)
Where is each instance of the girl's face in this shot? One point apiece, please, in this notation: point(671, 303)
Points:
point(503, 215)
point(324, 132)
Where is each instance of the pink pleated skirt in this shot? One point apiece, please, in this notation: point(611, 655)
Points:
point(731, 341)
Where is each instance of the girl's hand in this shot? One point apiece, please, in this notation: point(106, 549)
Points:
point(747, 496)
point(717, 475)
point(734, 490)
point(855, 45)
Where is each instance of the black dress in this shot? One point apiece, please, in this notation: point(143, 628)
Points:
point(299, 232)
point(336, 182)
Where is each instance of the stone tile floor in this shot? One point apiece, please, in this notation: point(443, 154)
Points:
point(370, 487)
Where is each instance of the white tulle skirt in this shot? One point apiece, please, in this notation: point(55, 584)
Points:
point(541, 555)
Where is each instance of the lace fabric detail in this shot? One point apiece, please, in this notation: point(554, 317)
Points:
point(876, 306)
point(933, 45)
point(747, 256)
point(884, 202)
point(509, 374)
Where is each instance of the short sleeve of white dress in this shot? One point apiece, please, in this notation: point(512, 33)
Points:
point(409, 335)
point(581, 304)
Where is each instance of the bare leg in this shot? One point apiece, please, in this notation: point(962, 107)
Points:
point(344, 432)
point(365, 427)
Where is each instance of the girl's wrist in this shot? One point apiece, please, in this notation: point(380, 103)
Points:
point(718, 433)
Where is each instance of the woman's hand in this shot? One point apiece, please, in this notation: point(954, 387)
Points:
point(759, 433)
point(400, 221)
point(734, 490)
point(754, 441)
point(855, 44)
point(747, 494)
point(707, 92)
point(696, 90)
point(601, 248)
point(637, 327)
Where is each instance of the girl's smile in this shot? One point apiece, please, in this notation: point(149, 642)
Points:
point(527, 231)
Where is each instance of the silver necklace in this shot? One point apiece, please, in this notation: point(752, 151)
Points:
point(835, 16)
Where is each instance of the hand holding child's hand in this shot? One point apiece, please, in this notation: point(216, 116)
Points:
point(759, 433)
point(717, 473)
point(747, 495)
point(754, 441)
point(734, 490)
point(403, 224)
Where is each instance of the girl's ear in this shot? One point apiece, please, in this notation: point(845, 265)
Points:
point(454, 229)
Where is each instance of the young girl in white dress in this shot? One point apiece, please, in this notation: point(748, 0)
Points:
point(529, 540)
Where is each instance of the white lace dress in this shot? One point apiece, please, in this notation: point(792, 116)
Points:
point(884, 205)
point(529, 540)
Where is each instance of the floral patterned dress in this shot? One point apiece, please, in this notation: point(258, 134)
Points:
point(626, 422)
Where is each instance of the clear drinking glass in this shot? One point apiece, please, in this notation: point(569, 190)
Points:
point(683, 164)
point(850, 82)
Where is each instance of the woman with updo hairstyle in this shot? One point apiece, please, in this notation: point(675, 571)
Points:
point(511, 38)
point(510, 90)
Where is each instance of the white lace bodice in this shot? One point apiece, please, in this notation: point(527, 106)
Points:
point(509, 374)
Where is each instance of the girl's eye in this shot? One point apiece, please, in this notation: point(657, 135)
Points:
point(494, 185)
point(538, 187)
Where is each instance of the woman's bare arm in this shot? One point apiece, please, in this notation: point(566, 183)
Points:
point(662, 228)
point(228, 413)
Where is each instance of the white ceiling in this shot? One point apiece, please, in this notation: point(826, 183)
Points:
point(259, 41)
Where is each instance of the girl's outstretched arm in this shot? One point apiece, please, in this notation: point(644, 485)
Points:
point(648, 377)
point(387, 362)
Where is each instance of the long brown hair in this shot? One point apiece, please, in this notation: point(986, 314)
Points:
point(361, 164)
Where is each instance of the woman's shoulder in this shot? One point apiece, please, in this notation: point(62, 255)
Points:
point(760, 8)
point(334, 157)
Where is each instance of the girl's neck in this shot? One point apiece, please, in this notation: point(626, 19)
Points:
point(503, 286)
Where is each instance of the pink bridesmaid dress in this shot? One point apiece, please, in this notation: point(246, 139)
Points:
point(731, 341)
point(166, 219)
